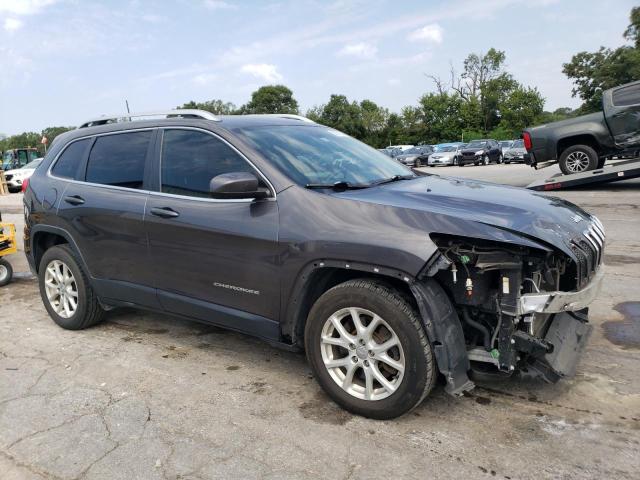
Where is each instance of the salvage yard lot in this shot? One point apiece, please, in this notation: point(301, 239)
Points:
point(150, 396)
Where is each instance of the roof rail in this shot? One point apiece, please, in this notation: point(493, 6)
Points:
point(291, 116)
point(129, 117)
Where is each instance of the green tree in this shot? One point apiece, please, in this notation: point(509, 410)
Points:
point(593, 72)
point(217, 107)
point(342, 115)
point(520, 108)
point(271, 99)
point(442, 117)
point(374, 119)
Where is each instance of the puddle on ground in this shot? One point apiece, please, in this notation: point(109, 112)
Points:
point(626, 332)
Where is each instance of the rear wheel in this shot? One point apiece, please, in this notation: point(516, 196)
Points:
point(578, 159)
point(368, 349)
point(6, 272)
point(65, 290)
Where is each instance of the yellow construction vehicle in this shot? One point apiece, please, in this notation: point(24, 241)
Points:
point(7, 247)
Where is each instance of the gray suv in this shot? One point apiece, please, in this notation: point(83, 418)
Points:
point(298, 234)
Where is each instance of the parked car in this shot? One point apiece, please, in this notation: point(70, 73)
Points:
point(17, 158)
point(402, 148)
point(445, 155)
point(391, 151)
point(300, 235)
point(505, 145)
point(415, 156)
point(515, 153)
point(16, 177)
point(583, 143)
point(480, 152)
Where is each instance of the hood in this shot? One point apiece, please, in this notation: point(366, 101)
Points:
point(410, 156)
point(443, 154)
point(535, 216)
point(15, 171)
point(472, 151)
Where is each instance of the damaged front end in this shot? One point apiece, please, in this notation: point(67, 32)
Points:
point(520, 309)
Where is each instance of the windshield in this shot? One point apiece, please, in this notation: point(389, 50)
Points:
point(447, 149)
point(319, 155)
point(413, 150)
point(476, 144)
point(505, 144)
point(518, 144)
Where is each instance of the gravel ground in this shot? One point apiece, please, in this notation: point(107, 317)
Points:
point(150, 396)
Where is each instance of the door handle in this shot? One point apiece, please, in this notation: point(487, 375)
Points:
point(164, 212)
point(74, 200)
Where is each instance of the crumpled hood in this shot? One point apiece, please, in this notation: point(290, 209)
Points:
point(526, 213)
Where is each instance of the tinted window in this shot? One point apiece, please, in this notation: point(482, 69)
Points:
point(191, 159)
point(627, 95)
point(119, 159)
point(68, 163)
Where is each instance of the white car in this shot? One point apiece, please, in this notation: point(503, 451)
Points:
point(446, 155)
point(15, 178)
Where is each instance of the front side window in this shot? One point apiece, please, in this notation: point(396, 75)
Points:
point(190, 159)
point(118, 160)
point(69, 162)
point(320, 155)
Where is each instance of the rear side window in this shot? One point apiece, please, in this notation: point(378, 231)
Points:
point(626, 96)
point(119, 160)
point(191, 159)
point(69, 162)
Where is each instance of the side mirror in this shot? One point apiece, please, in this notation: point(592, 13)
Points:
point(236, 185)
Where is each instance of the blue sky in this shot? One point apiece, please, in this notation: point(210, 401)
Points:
point(63, 61)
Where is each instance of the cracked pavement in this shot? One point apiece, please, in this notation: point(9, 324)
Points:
point(146, 396)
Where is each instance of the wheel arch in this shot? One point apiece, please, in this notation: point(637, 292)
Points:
point(43, 237)
point(582, 139)
point(321, 275)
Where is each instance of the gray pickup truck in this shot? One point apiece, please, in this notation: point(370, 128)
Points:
point(583, 143)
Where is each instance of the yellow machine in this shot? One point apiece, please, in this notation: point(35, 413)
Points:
point(7, 247)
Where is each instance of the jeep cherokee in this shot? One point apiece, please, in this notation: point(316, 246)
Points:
point(298, 234)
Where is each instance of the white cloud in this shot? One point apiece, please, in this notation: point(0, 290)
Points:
point(24, 7)
point(205, 78)
point(12, 24)
point(429, 33)
point(360, 50)
point(263, 71)
point(219, 5)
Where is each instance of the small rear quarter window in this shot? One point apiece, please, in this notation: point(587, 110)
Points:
point(69, 161)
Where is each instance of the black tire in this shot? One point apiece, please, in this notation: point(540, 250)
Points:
point(420, 369)
point(601, 162)
point(418, 163)
point(455, 161)
point(499, 159)
point(88, 311)
point(6, 272)
point(590, 155)
point(486, 160)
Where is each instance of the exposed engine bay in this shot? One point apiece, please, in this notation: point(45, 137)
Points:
point(511, 303)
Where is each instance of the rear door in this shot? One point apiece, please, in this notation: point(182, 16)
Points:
point(103, 210)
point(211, 255)
point(622, 112)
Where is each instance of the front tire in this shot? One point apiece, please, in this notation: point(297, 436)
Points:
point(6, 272)
point(578, 159)
point(368, 349)
point(418, 163)
point(485, 160)
point(65, 290)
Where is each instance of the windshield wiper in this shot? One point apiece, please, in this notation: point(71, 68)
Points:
point(395, 178)
point(342, 185)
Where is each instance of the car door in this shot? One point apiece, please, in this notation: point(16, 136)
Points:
point(622, 112)
point(214, 259)
point(102, 209)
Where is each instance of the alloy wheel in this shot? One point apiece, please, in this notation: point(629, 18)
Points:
point(362, 353)
point(577, 161)
point(61, 288)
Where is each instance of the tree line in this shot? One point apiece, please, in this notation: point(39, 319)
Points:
point(482, 100)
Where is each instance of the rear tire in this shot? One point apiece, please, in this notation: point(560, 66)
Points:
point(65, 290)
point(399, 390)
point(578, 159)
point(6, 272)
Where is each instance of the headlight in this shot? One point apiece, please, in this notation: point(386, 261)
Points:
point(479, 152)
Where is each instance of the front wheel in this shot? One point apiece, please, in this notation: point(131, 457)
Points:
point(455, 161)
point(418, 163)
point(6, 272)
point(368, 349)
point(485, 160)
point(578, 159)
